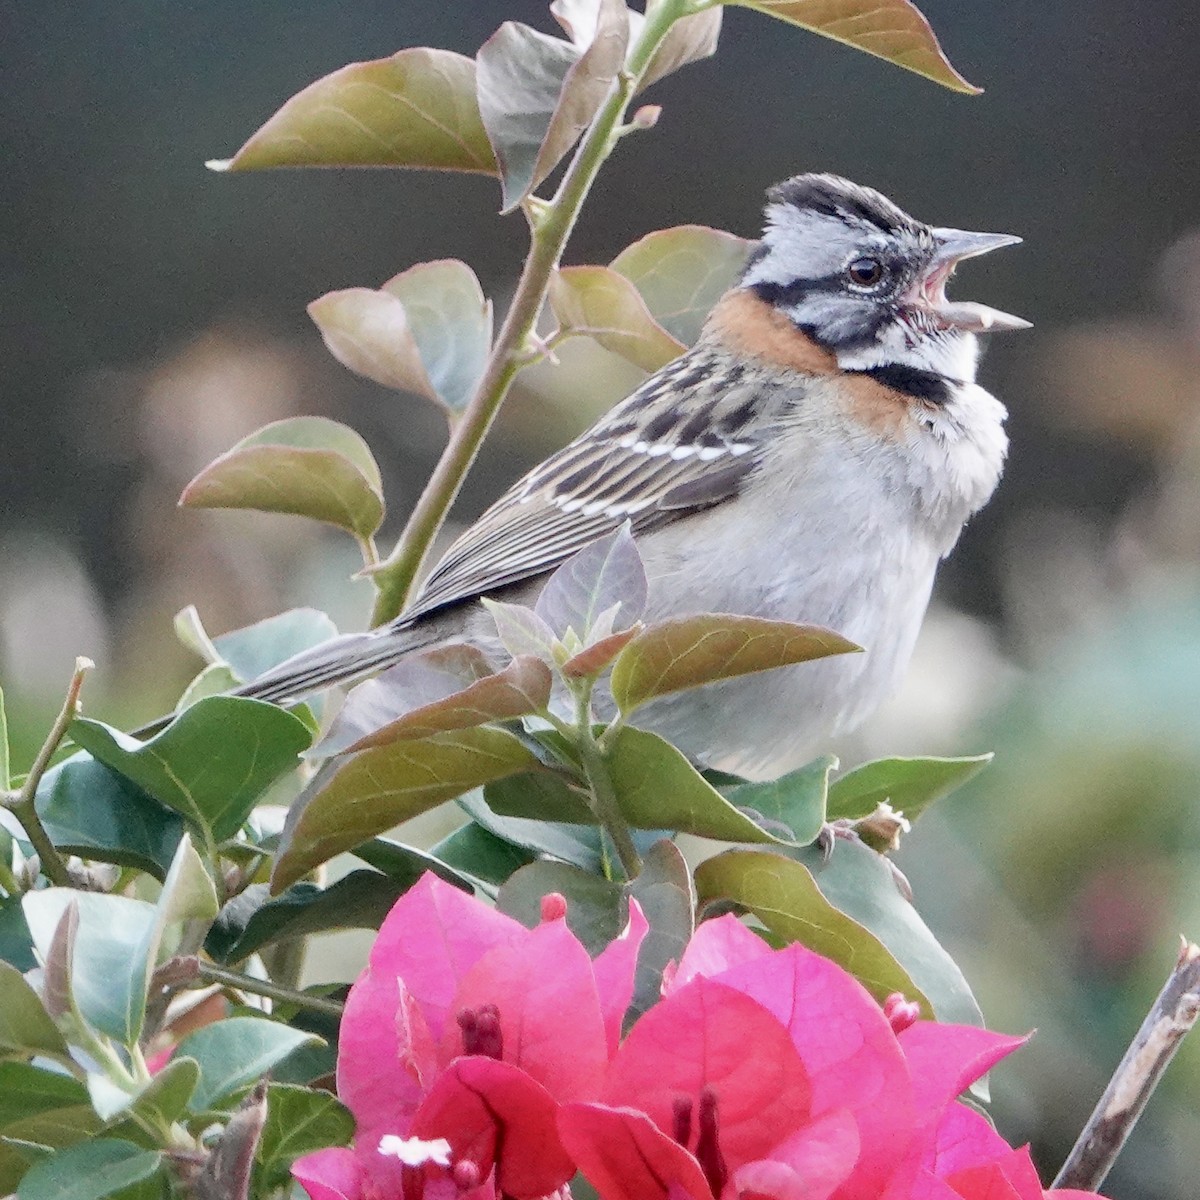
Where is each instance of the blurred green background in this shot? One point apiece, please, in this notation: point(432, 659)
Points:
point(155, 313)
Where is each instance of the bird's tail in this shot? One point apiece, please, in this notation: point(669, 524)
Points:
point(339, 660)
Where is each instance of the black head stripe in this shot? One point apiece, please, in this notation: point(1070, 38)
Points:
point(833, 196)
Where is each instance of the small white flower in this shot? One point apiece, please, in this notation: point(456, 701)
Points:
point(413, 1152)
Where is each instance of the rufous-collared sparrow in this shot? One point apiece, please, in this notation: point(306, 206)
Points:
point(812, 458)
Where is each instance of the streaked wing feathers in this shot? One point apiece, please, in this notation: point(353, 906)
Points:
point(648, 461)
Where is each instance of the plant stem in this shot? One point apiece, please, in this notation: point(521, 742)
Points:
point(21, 802)
point(1174, 1013)
point(551, 227)
point(603, 795)
point(264, 987)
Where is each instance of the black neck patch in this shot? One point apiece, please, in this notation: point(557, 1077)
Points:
point(912, 381)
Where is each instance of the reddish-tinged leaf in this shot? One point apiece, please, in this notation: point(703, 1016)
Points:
point(593, 660)
point(355, 798)
point(491, 1111)
point(306, 466)
point(698, 1038)
point(538, 93)
point(894, 30)
point(685, 652)
point(369, 332)
point(550, 1015)
point(599, 302)
point(624, 1155)
point(415, 109)
point(689, 40)
point(680, 273)
point(522, 687)
point(615, 968)
point(451, 323)
point(848, 1049)
point(56, 977)
point(945, 1060)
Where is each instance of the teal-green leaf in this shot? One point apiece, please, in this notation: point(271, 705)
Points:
point(861, 883)
point(795, 800)
point(25, 1026)
point(657, 788)
point(91, 1170)
point(211, 763)
point(254, 649)
point(16, 945)
point(90, 810)
point(451, 324)
point(909, 785)
point(667, 895)
point(5, 773)
point(406, 864)
point(299, 1121)
point(481, 855)
point(681, 273)
point(597, 909)
point(578, 844)
point(236, 1052)
point(783, 895)
point(108, 970)
point(359, 900)
point(365, 794)
point(539, 796)
point(304, 466)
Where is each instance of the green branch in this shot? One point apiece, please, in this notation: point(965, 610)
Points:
point(551, 225)
point(264, 987)
point(21, 803)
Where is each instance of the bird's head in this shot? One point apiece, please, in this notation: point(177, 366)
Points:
point(866, 281)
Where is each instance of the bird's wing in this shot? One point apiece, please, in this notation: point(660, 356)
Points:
point(649, 461)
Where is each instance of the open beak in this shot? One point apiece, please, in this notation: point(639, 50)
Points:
point(929, 293)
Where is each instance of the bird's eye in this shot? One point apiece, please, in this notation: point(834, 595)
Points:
point(865, 272)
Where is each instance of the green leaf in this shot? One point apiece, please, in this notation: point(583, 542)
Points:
point(909, 785)
point(90, 1171)
point(165, 1098)
point(90, 810)
point(108, 970)
point(187, 895)
point(304, 466)
point(599, 303)
point(214, 680)
point(783, 895)
point(417, 698)
point(299, 1121)
point(665, 891)
point(406, 864)
point(415, 109)
point(480, 854)
point(211, 763)
point(355, 798)
point(599, 589)
point(682, 272)
point(861, 883)
point(236, 1052)
point(658, 788)
point(451, 325)
point(597, 909)
point(255, 649)
point(27, 1091)
point(894, 30)
point(359, 900)
point(569, 843)
point(521, 630)
point(795, 800)
point(537, 94)
point(685, 652)
point(539, 796)
point(38, 1108)
point(192, 635)
point(16, 945)
point(25, 1026)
